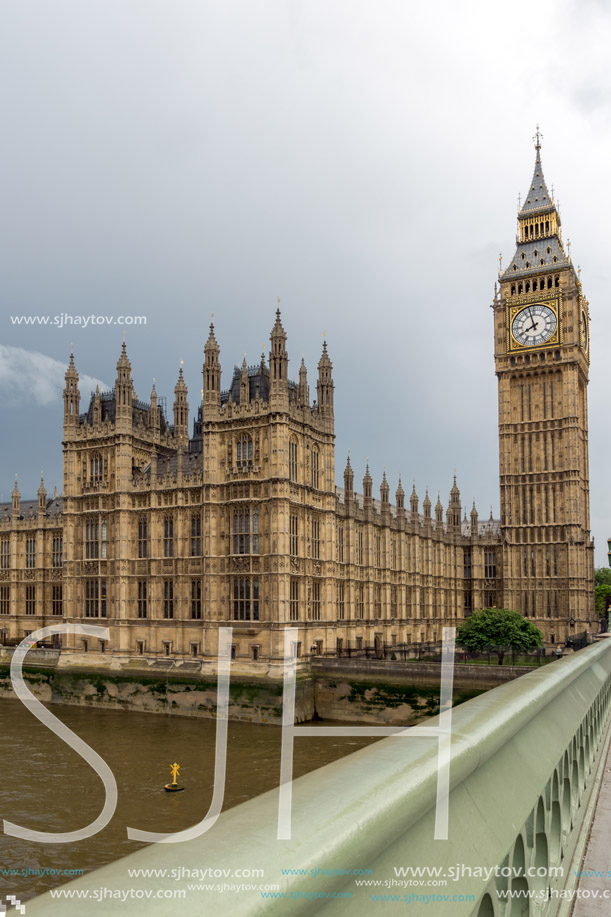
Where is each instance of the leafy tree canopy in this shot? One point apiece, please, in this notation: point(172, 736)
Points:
point(498, 628)
point(601, 592)
point(602, 576)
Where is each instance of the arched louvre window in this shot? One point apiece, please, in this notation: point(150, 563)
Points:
point(245, 529)
point(96, 468)
point(315, 462)
point(244, 451)
point(245, 598)
point(293, 460)
point(142, 537)
point(92, 538)
point(168, 536)
point(196, 535)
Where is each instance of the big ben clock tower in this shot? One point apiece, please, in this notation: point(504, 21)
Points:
point(541, 332)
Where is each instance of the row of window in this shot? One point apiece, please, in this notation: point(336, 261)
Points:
point(489, 564)
point(294, 465)
point(30, 600)
point(30, 552)
point(544, 283)
point(360, 606)
point(168, 599)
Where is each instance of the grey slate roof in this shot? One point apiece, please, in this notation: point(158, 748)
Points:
point(538, 197)
point(531, 262)
point(30, 508)
point(140, 410)
point(258, 384)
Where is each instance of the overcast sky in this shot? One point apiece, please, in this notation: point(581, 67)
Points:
point(361, 160)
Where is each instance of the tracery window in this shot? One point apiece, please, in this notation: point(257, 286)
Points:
point(196, 535)
point(244, 451)
point(293, 460)
point(245, 598)
point(168, 536)
point(142, 537)
point(315, 463)
point(245, 530)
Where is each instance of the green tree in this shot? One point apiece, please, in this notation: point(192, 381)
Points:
point(601, 592)
point(602, 576)
point(498, 628)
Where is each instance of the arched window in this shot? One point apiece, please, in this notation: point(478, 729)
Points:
point(244, 451)
point(315, 461)
point(168, 536)
point(245, 598)
point(92, 538)
point(293, 459)
point(142, 537)
point(96, 468)
point(245, 530)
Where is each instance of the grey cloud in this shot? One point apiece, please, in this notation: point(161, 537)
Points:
point(30, 376)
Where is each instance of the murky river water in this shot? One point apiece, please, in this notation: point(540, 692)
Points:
point(46, 786)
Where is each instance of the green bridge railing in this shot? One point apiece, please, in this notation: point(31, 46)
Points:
point(527, 758)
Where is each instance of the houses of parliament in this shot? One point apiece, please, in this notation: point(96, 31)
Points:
point(164, 533)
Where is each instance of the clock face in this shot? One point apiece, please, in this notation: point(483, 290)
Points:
point(584, 331)
point(534, 325)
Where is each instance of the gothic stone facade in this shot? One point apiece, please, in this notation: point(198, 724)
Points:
point(163, 537)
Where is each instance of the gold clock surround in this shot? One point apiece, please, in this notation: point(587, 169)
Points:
point(516, 307)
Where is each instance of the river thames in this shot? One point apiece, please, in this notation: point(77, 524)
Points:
point(48, 787)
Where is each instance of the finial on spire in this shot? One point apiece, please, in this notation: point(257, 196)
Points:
point(500, 262)
point(537, 138)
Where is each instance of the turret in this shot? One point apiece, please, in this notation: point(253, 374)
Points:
point(325, 382)
point(474, 520)
point(384, 490)
point(413, 504)
point(304, 391)
point(348, 482)
point(124, 388)
point(278, 367)
point(181, 411)
point(154, 410)
point(71, 395)
point(400, 499)
point(42, 498)
point(97, 407)
point(439, 511)
point(16, 501)
point(426, 507)
point(212, 371)
point(367, 485)
point(453, 514)
point(244, 384)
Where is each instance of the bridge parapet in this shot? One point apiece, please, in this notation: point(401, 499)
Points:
point(526, 762)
